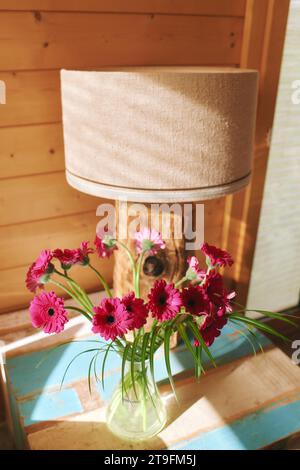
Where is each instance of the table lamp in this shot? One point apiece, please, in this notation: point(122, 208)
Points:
point(158, 135)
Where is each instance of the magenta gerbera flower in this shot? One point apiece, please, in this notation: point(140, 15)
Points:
point(210, 329)
point(136, 309)
point(47, 311)
point(111, 319)
point(194, 271)
point(148, 240)
point(195, 301)
point(38, 273)
point(164, 300)
point(216, 255)
point(67, 257)
point(217, 293)
point(105, 246)
point(83, 252)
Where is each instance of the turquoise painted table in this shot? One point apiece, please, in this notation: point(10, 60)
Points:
point(248, 402)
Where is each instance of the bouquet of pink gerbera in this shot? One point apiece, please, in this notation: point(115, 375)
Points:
point(197, 307)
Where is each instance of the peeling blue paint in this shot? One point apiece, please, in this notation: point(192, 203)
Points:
point(50, 406)
point(252, 432)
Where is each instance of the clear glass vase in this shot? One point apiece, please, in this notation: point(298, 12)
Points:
point(136, 411)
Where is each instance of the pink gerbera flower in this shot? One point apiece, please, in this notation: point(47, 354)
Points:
point(38, 273)
point(105, 246)
point(217, 294)
point(164, 300)
point(194, 271)
point(136, 309)
point(195, 301)
point(216, 255)
point(111, 319)
point(148, 240)
point(47, 311)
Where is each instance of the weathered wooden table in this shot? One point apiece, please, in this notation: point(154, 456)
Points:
point(248, 402)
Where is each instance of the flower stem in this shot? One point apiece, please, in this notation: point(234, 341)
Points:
point(102, 280)
point(138, 273)
point(76, 309)
point(181, 281)
point(130, 257)
point(78, 291)
point(70, 293)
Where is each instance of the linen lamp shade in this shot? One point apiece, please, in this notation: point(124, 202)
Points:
point(159, 134)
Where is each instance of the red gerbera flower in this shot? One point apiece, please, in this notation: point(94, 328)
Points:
point(47, 311)
point(195, 300)
point(164, 300)
point(111, 319)
point(210, 329)
point(136, 309)
point(105, 246)
point(67, 257)
point(38, 273)
point(216, 255)
point(217, 294)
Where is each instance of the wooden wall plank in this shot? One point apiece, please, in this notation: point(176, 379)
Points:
point(195, 7)
point(32, 98)
point(31, 150)
point(42, 196)
point(12, 285)
point(49, 233)
point(58, 40)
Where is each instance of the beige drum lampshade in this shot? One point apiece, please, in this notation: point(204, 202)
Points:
point(159, 134)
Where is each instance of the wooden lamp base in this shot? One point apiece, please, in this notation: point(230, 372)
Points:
point(168, 264)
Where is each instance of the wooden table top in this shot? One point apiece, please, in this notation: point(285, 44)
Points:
point(248, 402)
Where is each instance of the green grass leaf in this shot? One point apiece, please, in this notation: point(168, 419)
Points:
point(132, 364)
point(198, 365)
point(74, 359)
point(89, 373)
point(168, 333)
point(242, 333)
point(258, 325)
point(198, 336)
point(104, 362)
point(124, 358)
point(187, 342)
point(276, 316)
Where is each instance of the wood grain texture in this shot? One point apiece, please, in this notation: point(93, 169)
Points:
point(58, 40)
point(242, 416)
point(30, 150)
point(171, 261)
point(43, 36)
point(60, 232)
point(176, 7)
point(14, 292)
point(41, 196)
point(243, 209)
point(32, 98)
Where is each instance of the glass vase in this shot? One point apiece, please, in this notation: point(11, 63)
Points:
point(136, 411)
